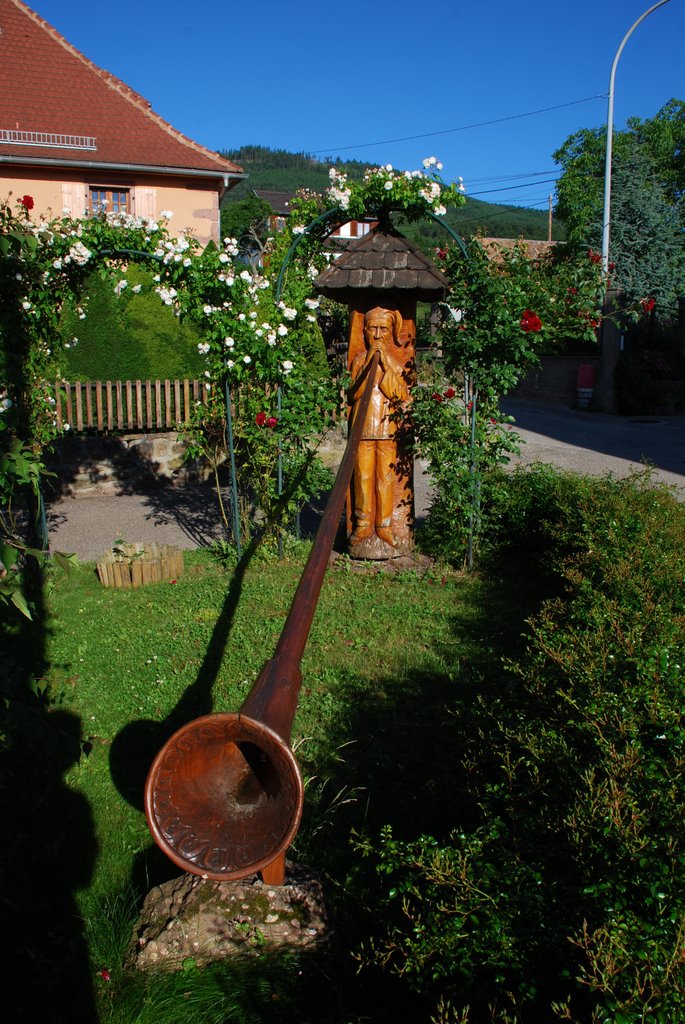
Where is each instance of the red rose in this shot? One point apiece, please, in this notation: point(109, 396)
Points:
point(271, 422)
point(437, 397)
point(648, 304)
point(450, 393)
point(260, 419)
point(27, 202)
point(105, 975)
point(530, 322)
point(441, 253)
point(594, 257)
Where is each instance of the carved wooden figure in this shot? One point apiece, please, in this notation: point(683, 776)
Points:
point(380, 510)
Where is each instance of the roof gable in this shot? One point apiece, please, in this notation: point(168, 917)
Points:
point(47, 86)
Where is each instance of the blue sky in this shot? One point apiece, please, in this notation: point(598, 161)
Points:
point(361, 79)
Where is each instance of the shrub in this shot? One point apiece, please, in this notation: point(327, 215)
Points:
point(565, 897)
point(131, 336)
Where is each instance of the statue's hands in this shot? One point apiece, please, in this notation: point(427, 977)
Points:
point(378, 347)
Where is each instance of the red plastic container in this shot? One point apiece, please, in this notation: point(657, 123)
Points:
point(586, 376)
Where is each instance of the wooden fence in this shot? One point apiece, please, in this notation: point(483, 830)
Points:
point(126, 405)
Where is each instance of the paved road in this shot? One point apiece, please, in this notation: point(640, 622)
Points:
point(186, 517)
point(595, 443)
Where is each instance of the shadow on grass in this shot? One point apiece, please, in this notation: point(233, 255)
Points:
point(134, 748)
point(49, 848)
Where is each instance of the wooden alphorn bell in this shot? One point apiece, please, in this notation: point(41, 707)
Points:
point(224, 795)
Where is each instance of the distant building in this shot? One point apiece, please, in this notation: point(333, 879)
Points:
point(280, 205)
point(75, 137)
point(534, 247)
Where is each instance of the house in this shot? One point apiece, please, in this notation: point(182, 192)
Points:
point(280, 206)
point(75, 137)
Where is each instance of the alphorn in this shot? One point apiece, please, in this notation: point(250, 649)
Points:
point(224, 795)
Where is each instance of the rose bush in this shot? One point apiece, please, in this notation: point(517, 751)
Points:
point(505, 307)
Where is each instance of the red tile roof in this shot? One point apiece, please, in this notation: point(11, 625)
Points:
point(48, 86)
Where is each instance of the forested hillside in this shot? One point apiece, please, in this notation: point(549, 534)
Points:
point(278, 169)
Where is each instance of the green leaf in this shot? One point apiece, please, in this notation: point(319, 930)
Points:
point(64, 561)
point(19, 601)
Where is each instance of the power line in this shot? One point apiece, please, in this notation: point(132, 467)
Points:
point(510, 177)
point(512, 188)
point(461, 128)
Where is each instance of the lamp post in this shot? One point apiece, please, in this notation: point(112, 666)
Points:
point(610, 131)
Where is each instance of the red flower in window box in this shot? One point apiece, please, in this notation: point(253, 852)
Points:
point(27, 202)
point(530, 322)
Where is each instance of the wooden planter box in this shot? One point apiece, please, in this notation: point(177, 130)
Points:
point(134, 565)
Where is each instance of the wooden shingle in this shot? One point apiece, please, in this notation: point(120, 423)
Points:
point(383, 260)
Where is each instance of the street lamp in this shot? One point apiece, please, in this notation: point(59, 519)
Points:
point(610, 132)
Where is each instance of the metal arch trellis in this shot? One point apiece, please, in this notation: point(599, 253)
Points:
point(338, 215)
point(334, 217)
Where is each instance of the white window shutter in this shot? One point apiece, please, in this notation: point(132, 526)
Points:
point(74, 198)
point(144, 201)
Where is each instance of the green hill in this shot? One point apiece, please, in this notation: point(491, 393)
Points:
point(284, 171)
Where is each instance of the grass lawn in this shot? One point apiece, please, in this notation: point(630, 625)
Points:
point(122, 670)
point(494, 773)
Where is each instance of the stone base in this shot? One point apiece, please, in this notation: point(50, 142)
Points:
point(379, 550)
point(194, 919)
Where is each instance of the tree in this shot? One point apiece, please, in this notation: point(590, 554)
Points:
point(247, 220)
point(648, 200)
point(646, 239)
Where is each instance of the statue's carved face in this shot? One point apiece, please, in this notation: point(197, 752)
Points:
point(378, 327)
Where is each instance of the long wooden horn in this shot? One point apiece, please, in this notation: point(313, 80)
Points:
point(223, 797)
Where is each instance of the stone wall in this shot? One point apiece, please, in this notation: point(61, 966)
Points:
point(556, 379)
point(124, 463)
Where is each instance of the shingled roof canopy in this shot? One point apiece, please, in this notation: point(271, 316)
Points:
point(383, 260)
point(56, 106)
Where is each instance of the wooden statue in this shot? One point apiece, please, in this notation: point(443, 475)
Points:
point(380, 507)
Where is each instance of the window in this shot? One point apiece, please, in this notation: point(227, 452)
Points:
point(109, 200)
